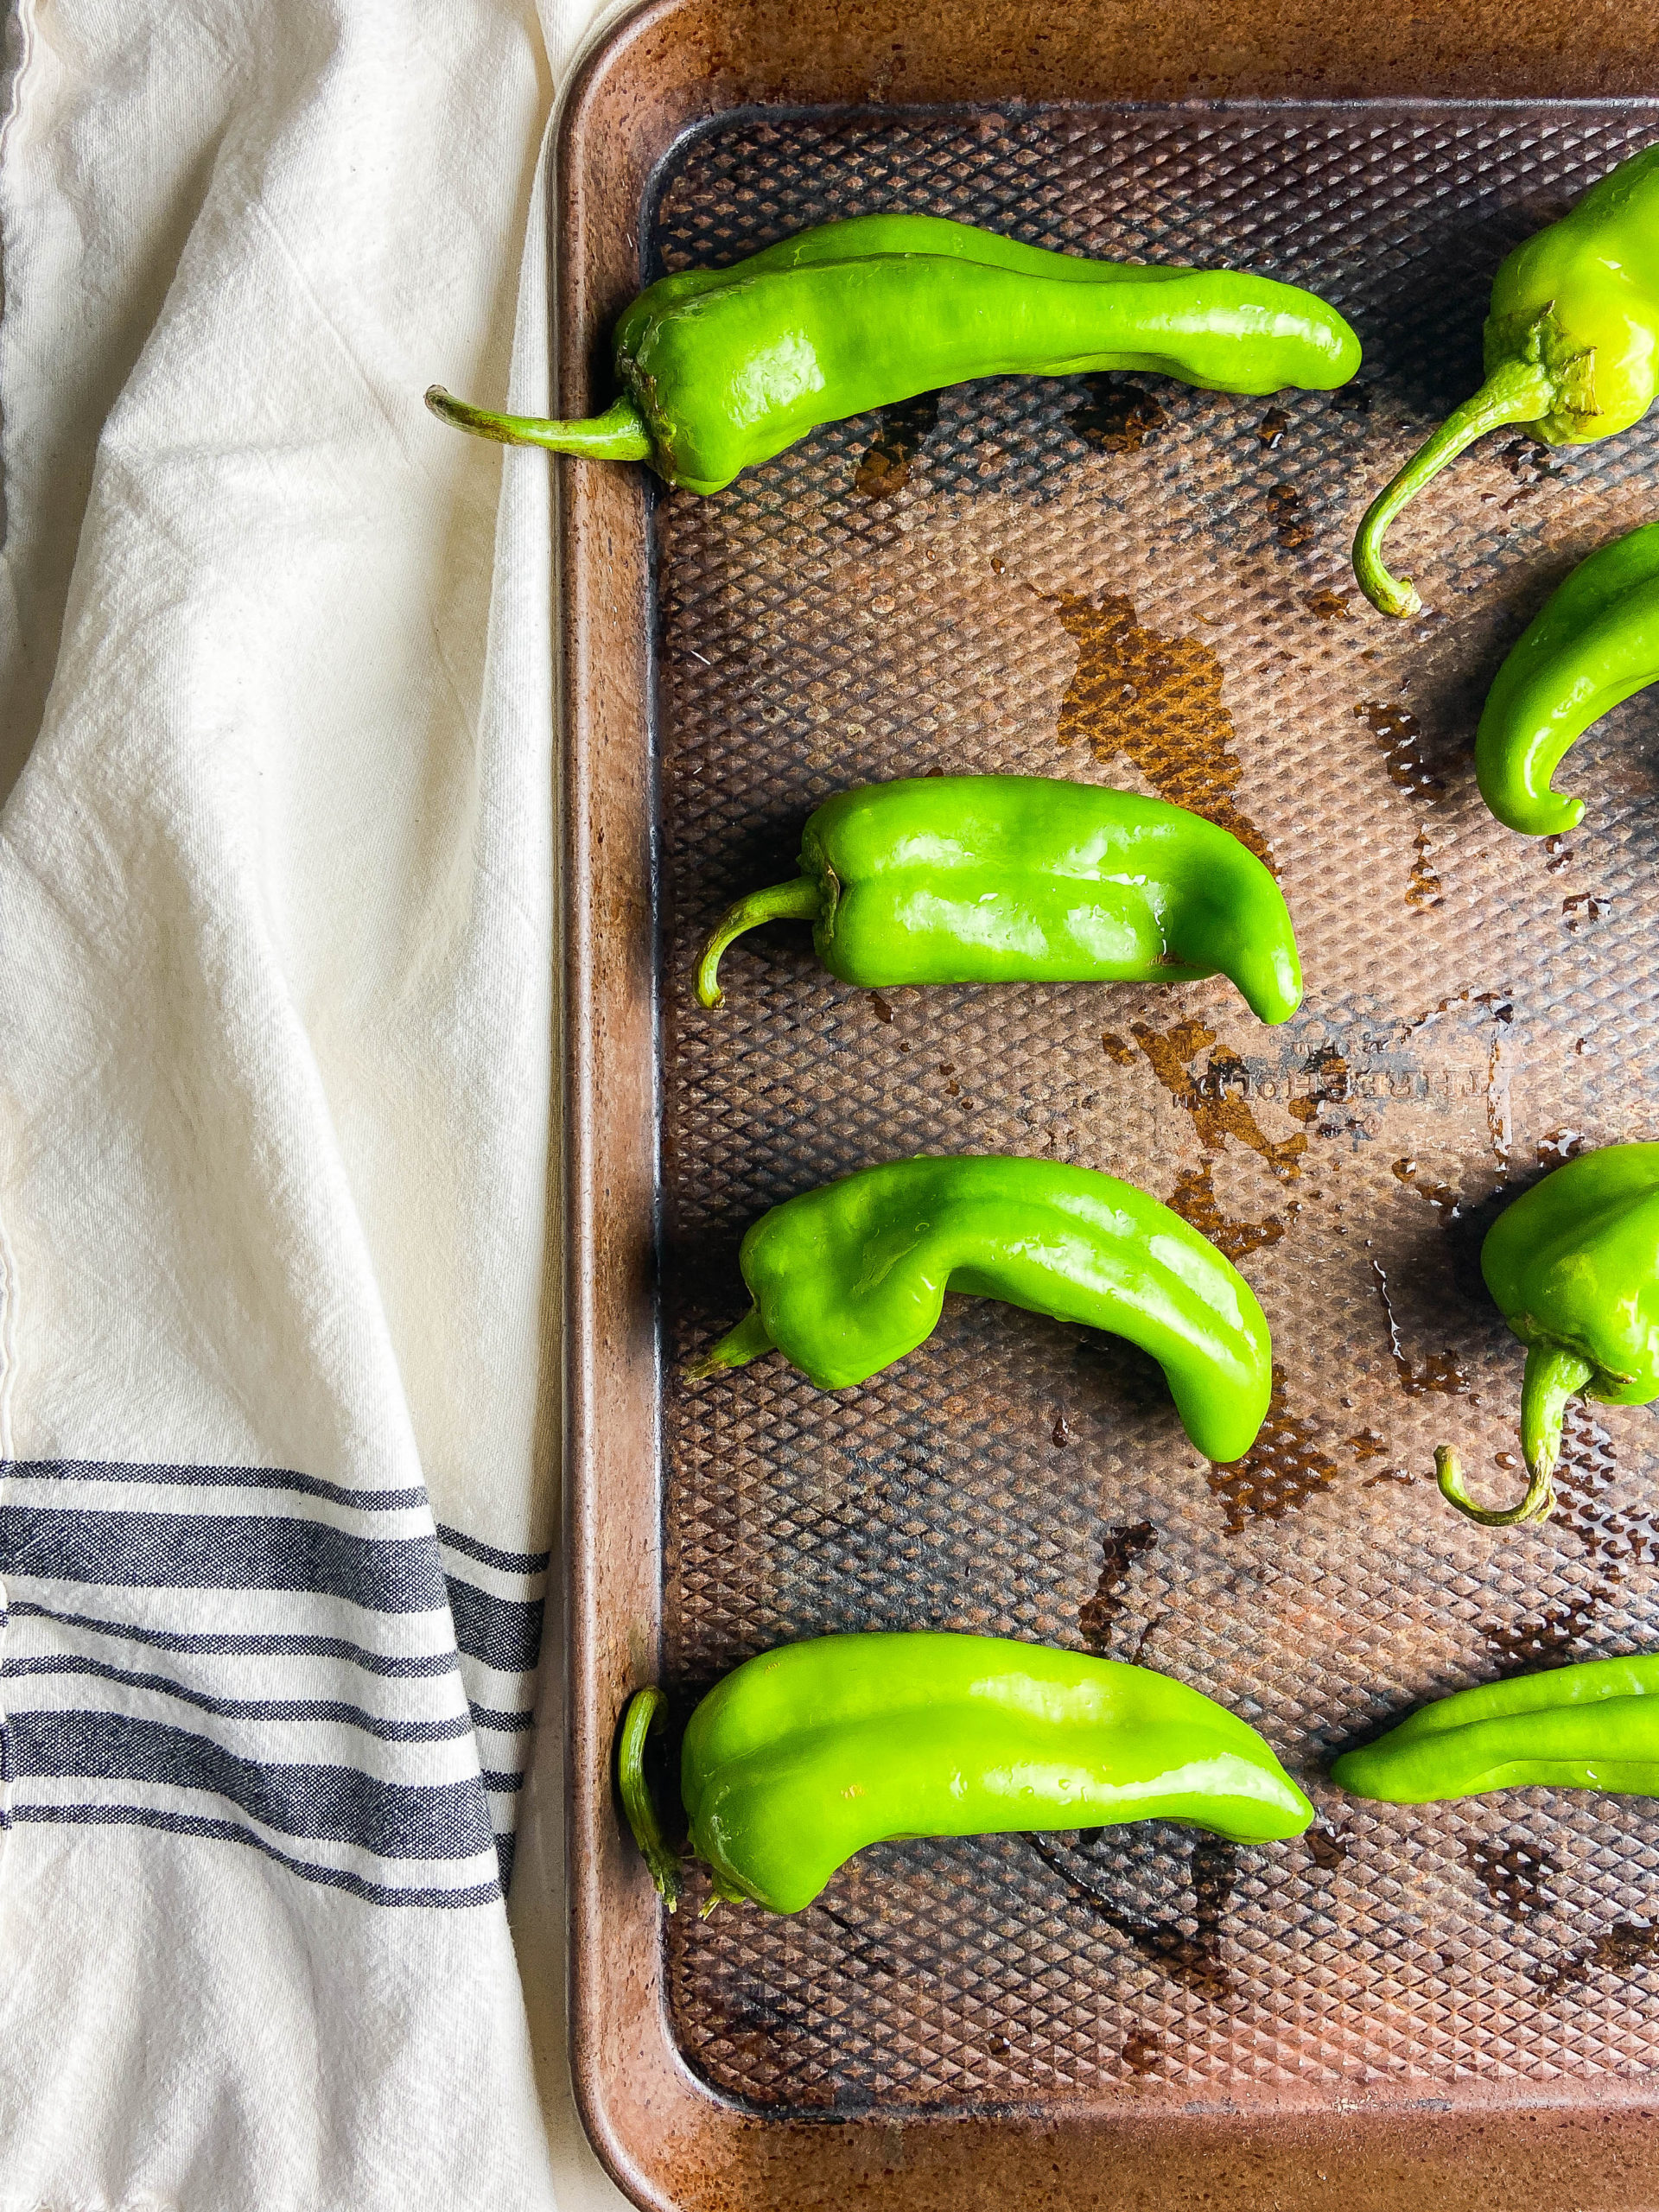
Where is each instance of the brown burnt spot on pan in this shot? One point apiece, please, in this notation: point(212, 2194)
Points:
point(1141, 2050)
point(1159, 701)
point(1496, 1003)
point(1438, 1371)
point(1583, 907)
point(1197, 1958)
point(879, 1007)
point(1291, 529)
point(1328, 1086)
point(1626, 1946)
point(1445, 1200)
point(1546, 1640)
point(1116, 417)
point(1327, 605)
point(1556, 1145)
point(1368, 1445)
point(1194, 1959)
point(1558, 855)
point(1216, 1114)
point(1272, 427)
point(1117, 1048)
point(1400, 734)
point(1284, 1467)
point(1139, 1651)
point(1515, 1875)
point(1614, 1536)
point(1423, 890)
point(1325, 1849)
point(886, 467)
point(1119, 1547)
point(1194, 1199)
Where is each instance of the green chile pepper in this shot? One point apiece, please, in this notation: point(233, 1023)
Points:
point(1573, 1265)
point(1593, 1726)
point(1570, 348)
point(803, 1755)
point(722, 368)
point(1594, 643)
point(848, 1278)
point(995, 879)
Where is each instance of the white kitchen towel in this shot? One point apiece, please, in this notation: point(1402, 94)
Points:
point(276, 1387)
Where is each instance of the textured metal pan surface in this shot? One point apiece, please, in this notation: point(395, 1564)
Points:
point(1125, 580)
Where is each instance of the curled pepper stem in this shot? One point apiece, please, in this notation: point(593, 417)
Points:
point(799, 902)
point(619, 433)
point(1538, 1505)
point(735, 1349)
point(1518, 391)
point(645, 1716)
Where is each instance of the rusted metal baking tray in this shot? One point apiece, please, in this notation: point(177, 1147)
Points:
point(1123, 580)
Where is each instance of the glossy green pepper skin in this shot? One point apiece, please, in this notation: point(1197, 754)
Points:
point(804, 1755)
point(1594, 643)
point(723, 368)
point(1570, 347)
point(1573, 1265)
point(848, 1278)
point(1593, 1727)
point(1017, 879)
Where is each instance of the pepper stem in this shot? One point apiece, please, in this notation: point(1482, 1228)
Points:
point(1519, 391)
point(1538, 1505)
point(735, 1349)
point(1554, 1374)
point(643, 1718)
point(799, 902)
point(619, 433)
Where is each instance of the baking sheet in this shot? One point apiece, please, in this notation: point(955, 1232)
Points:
point(1123, 581)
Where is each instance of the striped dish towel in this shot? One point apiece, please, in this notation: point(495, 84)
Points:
point(277, 1416)
point(263, 1658)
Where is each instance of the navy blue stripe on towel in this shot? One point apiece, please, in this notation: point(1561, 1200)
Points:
point(441, 1731)
point(337, 1804)
point(505, 1633)
point(509, 1562)
point(415, 1665)
point(281, 1478)
point(334, 1877)
point(202, 1551)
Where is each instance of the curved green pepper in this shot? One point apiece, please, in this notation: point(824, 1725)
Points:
point(1594, 642)
point(722, 368)
point(1000, 879)
point(848, 1278)
point(804, 1755)
point(1574, 1267)
point(1593, 1726)
point(1570, 348)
